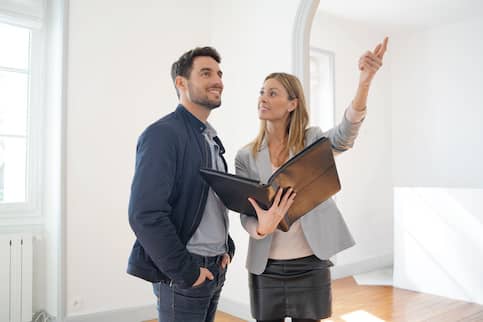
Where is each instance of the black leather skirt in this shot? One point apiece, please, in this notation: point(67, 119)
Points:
point(298, 288)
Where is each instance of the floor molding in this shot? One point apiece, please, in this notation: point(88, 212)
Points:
point(364, 266)
point(235, 308)
point(142, 313)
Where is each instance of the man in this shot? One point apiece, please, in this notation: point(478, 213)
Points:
point(182, 245)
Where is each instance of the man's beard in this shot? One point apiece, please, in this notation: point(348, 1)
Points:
point(202, 100)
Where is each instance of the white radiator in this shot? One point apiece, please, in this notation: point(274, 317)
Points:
point(16, 278)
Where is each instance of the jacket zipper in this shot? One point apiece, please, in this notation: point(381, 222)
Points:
point(204, 191)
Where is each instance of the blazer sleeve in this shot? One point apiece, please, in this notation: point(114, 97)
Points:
point(343, 135)
point(150, 207)
point(249, 223)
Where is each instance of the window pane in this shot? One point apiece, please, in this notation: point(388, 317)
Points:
point(13, 160)
point(15, 46)
point(13, 103)
point(322, 90)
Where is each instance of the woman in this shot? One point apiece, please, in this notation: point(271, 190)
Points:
point(289, 271)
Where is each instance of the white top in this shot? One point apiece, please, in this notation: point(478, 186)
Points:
point(289, 244)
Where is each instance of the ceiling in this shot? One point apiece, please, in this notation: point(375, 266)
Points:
point(402, 14)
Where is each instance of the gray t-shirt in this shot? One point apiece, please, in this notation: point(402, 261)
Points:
point(211, 237)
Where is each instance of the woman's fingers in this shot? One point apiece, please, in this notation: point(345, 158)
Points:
point(382, 50)
point(278, 196)
point(373, 59)
point(255, 205)
point(378, 47)
point(369, 66)
point(280, 205)
point(285, 197)
point(370, 62)
point(288, 203)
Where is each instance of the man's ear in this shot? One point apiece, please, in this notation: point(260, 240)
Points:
point(180, 83)
point(293, 104)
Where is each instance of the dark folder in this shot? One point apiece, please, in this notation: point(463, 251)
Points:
point(311, 173)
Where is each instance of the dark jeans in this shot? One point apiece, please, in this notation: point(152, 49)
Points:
point(194, 304)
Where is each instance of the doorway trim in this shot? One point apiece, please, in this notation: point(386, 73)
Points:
point(301, 42)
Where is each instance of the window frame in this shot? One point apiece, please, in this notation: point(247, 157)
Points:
point(314, 51)
point(30, 209)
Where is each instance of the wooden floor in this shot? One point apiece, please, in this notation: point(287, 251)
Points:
point(355, 303)
point(352, 302)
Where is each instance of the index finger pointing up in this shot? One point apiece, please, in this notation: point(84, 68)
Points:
point(382, 49)
point(376, 50)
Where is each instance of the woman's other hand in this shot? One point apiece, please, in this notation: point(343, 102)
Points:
point(268, 220)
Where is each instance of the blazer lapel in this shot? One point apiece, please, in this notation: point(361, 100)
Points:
point(263, 163)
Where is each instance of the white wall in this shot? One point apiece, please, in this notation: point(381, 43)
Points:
point(120, 54)
point(365, 171)
point(438, 241)
point(437, 106)
point(437, 133)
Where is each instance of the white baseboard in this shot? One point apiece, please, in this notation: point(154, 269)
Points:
point(367, 265)
point(235, 308)
point(238, 309)
point(136, 314)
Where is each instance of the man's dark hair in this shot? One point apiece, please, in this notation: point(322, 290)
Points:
point(184, 65)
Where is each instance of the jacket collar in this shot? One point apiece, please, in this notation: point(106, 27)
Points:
point(196, 124)
point(192, 120)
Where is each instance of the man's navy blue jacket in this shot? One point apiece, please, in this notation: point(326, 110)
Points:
point(168, 198)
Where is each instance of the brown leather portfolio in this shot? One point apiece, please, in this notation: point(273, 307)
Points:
point(312, 174)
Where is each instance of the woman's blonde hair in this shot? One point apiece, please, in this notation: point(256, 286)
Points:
point(297, 120)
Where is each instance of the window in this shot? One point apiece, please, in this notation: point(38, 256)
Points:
point(14, 101)
point(322, 88)
point(20, 119)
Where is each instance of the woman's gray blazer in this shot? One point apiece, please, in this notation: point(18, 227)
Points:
point(324, 227)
